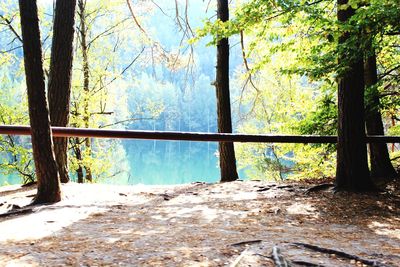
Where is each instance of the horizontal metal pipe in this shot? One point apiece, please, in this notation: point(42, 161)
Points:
point(189, 136)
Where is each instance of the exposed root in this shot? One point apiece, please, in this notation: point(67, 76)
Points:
point(16, 212)
point(278, 259)
point(319, 187)
point(342, 255)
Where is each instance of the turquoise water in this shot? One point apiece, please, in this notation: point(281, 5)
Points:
point(159, 163)
point(165, 162)
point(9, 179)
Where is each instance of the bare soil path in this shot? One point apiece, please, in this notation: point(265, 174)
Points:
point(230, 224)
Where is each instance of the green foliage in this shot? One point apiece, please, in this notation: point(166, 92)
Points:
point(15, 152)
point(16, 157)
point(292, 53)
point(282, 104)
point(299, 38)
point(322, 117)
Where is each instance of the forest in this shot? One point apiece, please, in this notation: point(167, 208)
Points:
point(283, 80)
point(286, 62)
point(158, 84)
point(283, 77)
point(299, 96)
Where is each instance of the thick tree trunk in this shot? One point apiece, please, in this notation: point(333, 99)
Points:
point(381, 167)
point(352, 172)
point(227, 160)
point(59, 90)
point(45, 164)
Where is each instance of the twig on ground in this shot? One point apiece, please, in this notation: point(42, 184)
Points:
point(263, 189)
point(249, 242)
point(284, 186)
point(308, 264)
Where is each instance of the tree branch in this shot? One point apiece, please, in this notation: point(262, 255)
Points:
point(136, 20)
point(122, 72)
point(10, 50)
point(105, 33)
point(388, 72)
point(124, 121)
point(8, 24)
point(246, 62)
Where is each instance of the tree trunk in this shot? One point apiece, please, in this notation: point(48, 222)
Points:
point(46, 167)
point(79, 173)
point(86, 80)
point(227, 160)
point(59, 90)
point(76, 147)
point(352, 172)
point(381, 167)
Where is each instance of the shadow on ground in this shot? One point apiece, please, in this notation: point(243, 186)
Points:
point(203, 225)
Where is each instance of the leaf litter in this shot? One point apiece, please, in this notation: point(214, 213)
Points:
point(243, 223)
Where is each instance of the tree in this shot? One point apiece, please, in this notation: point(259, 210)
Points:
point(59, 89)
point(381, 166)
point(227, 160)
point(46, 168)
point(83, 29)
point(311, 31)
point(352, 172)
point(99, 95)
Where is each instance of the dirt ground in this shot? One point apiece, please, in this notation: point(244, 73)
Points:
point(250, 223)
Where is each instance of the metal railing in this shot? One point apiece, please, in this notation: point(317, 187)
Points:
point(190, 136)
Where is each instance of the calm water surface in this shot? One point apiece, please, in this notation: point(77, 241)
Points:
point(158, 163)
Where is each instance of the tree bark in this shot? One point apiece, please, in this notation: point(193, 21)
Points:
point(381, 167)
point(352, 172)
point(45, 165)
point(59, 89)
point(86, 80)
point(78, 154)
point(227, 160)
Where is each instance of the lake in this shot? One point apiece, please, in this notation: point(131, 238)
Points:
point(158, 163)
